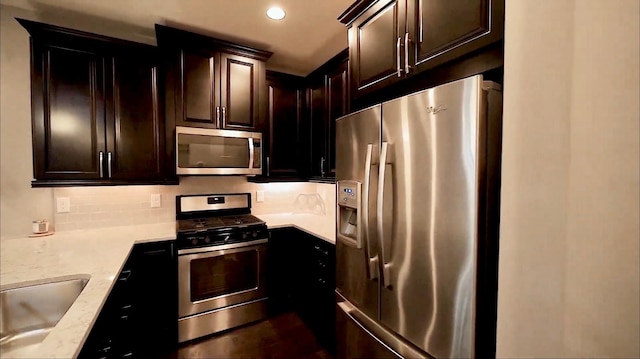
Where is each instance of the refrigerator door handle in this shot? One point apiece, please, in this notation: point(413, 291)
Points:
point(398, 60)
point(386, 266)
point(372, 262)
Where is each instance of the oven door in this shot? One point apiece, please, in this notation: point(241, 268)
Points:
point(215, 277)
point(202, 151)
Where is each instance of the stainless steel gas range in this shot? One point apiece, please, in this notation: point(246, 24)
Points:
point(221, 264)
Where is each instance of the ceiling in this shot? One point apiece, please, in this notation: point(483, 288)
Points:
point(308, 36)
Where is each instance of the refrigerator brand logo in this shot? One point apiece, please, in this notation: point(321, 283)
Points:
point(435, 109)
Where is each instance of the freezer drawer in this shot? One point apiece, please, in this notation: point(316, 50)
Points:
point(359, 337)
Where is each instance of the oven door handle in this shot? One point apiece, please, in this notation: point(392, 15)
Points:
point(222, 247)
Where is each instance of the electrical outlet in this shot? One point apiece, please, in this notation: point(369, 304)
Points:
point(63, 204)
point(156, 200)
point(259, 196)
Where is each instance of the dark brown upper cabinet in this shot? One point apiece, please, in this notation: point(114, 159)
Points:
point(213, 83)
point(327, 100)
point(241, 78)
point(97, 114)
point(285, 136)
point(375, 41)
point(390, 40)
point(135, 125)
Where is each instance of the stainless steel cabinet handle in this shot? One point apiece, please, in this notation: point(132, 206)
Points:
point(407, 67)
point(322, 166)
point(384, 255)
point(372, 262)
point(420, 36)
point(109, 163)
point(251, 152)
point(398, 61)
point(268, 166)
point(218, 116)
point(101, 160)
point(224, 116)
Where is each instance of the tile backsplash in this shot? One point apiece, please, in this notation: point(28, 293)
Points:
point(95, 207)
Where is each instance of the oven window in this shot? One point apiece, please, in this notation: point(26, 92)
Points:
point(226, 274)
point(196, 151)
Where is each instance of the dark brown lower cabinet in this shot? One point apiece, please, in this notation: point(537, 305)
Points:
point(140, 317)
point(302, 278)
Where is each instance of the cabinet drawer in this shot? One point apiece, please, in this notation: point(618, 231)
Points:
point(320, 251)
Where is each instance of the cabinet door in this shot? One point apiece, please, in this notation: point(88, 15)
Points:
point(375, 46)
point(441, 30)
point(239, 91)
point(338, 96)
point(316, 99)
point(285, 98)
point(198, 91)
point(67, 112)
point(135, 125)
point(284, 275)
point(155, 298)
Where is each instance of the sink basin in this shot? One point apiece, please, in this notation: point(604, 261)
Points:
point(28, 313)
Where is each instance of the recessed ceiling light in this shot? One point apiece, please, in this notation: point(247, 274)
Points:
point(275, 13)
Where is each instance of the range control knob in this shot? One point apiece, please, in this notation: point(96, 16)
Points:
point(244, 235)
point(254, 234)
point(194, 241)
point(207, 239)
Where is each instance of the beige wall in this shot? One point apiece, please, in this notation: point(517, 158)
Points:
point(569, 252)
point(19, 204)
point(93, 207)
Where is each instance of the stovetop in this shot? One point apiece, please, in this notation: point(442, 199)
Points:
point(213, 223)
point(219, 230)
point(217, 219)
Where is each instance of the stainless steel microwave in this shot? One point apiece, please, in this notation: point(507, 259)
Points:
point(202, 151)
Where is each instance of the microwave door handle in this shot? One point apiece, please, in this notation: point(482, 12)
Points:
point(251, 153)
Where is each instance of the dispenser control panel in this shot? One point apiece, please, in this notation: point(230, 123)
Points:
point(348, 193)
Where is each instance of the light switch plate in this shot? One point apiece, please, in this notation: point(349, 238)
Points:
point(156, 200)
point(259, 196)
point(63, 204)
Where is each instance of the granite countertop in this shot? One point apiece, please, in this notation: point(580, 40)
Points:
point(99, 255)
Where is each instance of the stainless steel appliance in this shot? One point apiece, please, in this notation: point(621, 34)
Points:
point(221, 264)
point(203, 151)
point(417, 224)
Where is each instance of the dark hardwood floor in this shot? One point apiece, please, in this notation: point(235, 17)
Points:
point(283, 336)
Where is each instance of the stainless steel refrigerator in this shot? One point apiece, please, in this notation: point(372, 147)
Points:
point(417, 224)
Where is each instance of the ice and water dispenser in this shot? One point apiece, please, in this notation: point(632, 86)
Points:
point(349, 213)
